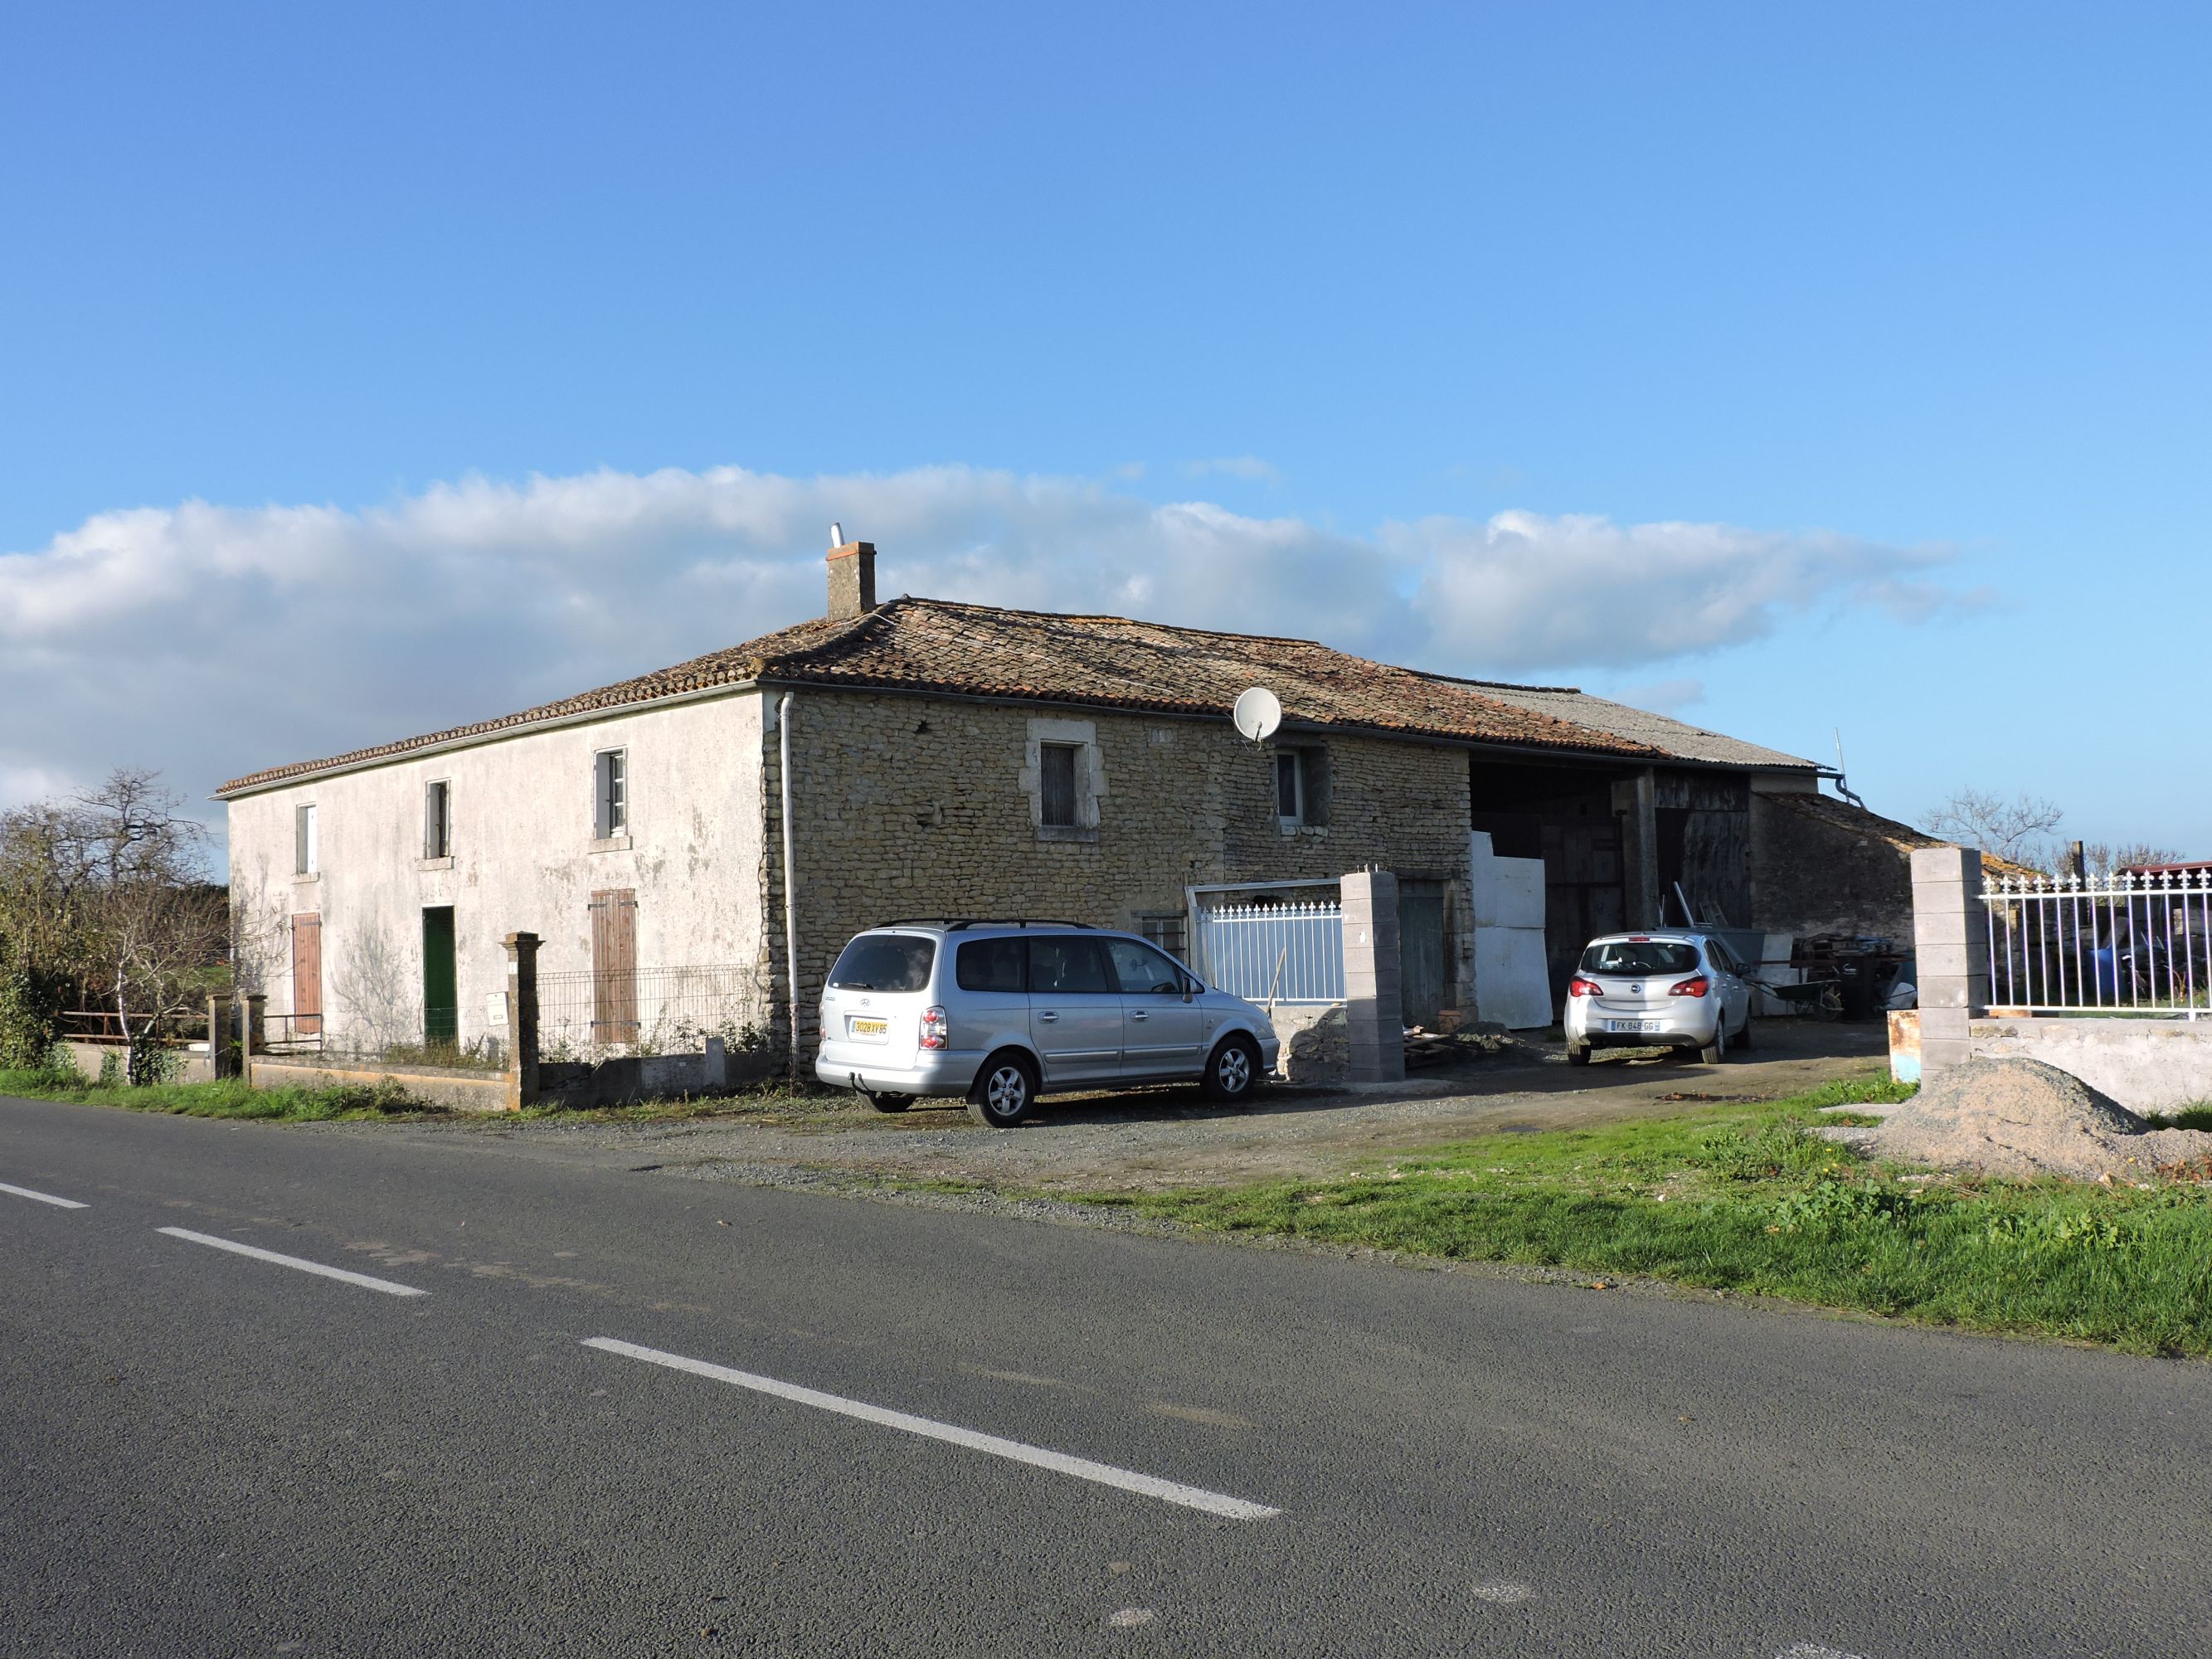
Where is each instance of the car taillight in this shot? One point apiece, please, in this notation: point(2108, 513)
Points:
point(1692, 987)
point(933, 1027)
point(1584, 988)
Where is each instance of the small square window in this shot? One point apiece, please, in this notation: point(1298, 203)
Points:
point(1056, 773)
point(610, 815)
point(307, 849)
point(1289, 788)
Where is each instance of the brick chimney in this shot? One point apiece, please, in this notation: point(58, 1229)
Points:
point(853, 579)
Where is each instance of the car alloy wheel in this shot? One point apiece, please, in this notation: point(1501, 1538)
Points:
point(1233, 1071)
point(1003, 1093)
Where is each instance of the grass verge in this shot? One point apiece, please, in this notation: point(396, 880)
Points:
point(383, 1099)
point(1745, 1198)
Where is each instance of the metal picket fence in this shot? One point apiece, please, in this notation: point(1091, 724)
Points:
point(1274, 952)
point(2129, 943)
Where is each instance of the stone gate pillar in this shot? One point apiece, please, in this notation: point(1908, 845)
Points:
point(522, 1020)
point(1951, 952)
point(1374, 1009)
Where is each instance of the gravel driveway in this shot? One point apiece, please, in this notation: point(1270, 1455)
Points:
point(1166, 1136)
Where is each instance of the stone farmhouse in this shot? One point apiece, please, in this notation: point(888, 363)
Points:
point(956, 759)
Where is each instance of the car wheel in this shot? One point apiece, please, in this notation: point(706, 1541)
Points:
point(1715, 1051)
point(1743, 1036)
point(1004, 1090)
point(1232, 1070)
point(883, 1103)
point(1578, 1054)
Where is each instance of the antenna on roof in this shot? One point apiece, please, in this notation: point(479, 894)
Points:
point(1843, 788)
point(1258, 712)
point(836, 534)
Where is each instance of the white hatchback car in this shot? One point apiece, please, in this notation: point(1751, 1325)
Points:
point(1662, 990)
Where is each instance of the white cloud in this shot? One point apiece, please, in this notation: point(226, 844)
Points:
point(1662, 697)
point(210, 641)
point(1522, 590)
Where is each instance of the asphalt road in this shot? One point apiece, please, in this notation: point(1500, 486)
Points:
point(211, 1453)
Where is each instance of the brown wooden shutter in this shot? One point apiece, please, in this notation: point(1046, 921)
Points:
point(614, 965)
point(308, 975)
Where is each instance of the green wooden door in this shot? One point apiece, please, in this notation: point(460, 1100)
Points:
point(441, 1004)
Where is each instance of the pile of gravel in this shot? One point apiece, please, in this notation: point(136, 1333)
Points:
point(2020, 1119)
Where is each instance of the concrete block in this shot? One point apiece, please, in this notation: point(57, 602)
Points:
point(1941, 864)
point(1943, 898)
point(1945, 1024)
point(1939, 1054)
point(1960, 992)
point(1948, 927)
point(1950, 960)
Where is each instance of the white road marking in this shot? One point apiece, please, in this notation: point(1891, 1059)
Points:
point(1814, 1650)
point(44, 1198)
point(1501, 1592)
point(1105, 1474)
point(260, 1254)
point(1130, 1618)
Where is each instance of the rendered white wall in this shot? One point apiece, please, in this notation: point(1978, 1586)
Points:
point(524, 860)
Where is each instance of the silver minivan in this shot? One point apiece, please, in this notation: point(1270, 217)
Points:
point(1003, 1011)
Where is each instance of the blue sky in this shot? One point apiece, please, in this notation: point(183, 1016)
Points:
point(1892, 318)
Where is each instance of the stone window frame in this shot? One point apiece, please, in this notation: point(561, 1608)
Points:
point(1090, 777)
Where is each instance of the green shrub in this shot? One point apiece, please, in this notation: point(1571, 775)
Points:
point(30, 1015)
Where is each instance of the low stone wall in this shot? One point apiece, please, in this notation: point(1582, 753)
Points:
point(619, 1082)
point(453, 1087)
point(1316, 1042)
point(2146, 1065)
point(87, 1057)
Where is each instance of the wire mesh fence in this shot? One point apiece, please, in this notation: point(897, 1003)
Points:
point(2129, 943)
point(588, 1015)
point(1274, 952)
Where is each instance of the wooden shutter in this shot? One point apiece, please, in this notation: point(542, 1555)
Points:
point(308, 975)
point(614, 965)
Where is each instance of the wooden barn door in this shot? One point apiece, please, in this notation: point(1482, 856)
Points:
point(614, 965)
point(308, 974)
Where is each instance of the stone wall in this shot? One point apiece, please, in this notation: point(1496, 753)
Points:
point(1809, 875)
point(924, 806)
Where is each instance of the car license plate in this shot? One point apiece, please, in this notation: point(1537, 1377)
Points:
point(1636, 1026)
point(869, 1030)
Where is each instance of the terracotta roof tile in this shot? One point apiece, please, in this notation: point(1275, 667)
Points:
point(976, 650)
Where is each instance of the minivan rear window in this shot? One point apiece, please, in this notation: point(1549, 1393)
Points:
point(992, 965)
point(884, 962)
point(1650, 956)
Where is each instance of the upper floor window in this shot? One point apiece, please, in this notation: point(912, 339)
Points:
point(306, 847)
point(1056, 764)
point(438, 820)
point(610, 785)
point(1301, 786)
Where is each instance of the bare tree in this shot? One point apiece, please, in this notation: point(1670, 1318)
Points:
point(108, 891)
point(2102, 861)
point(2018, 830)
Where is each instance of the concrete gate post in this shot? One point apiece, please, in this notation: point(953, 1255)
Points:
point(1374, 1009)
point(223, 1061)
point(522, 1020)
point(252, 1032)
point(1951, 952)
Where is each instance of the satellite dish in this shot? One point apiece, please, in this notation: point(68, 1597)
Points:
point(1258, 712)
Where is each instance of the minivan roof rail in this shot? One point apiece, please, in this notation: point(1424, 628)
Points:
point(955, 924)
